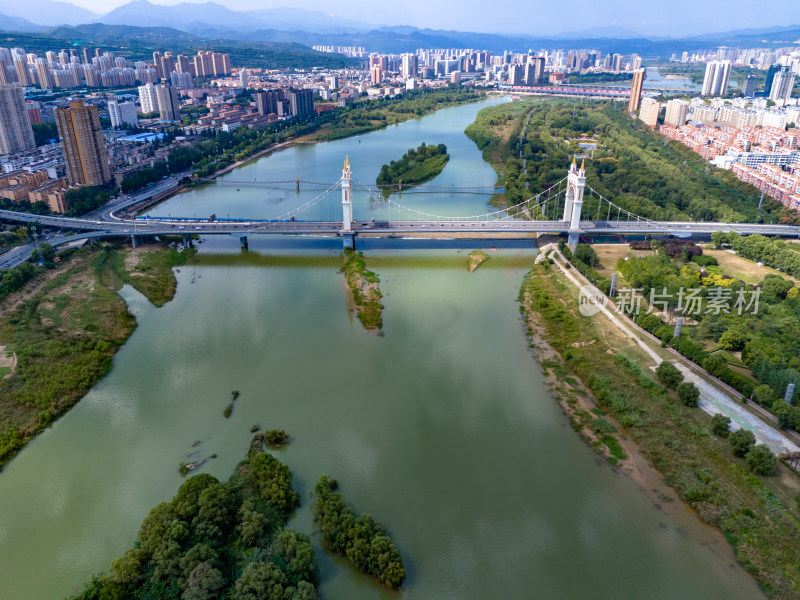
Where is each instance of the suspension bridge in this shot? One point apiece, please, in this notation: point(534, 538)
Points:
point(568, 207)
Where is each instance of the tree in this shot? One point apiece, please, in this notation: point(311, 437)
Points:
point(668, 374)
point(763, 394)
point(205, 583)
point(718, 238)
point(721, 425)
point(259, 581)
point(295, 550)
point(586, 254)
point(761, 460)
point(688, 394)
point(741, 441)
point(733, 339)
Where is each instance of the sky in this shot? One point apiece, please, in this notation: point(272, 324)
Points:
point(651, 17)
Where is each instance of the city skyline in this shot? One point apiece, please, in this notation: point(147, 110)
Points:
point(609, 18)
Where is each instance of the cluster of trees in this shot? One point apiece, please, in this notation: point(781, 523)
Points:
point(139, 179)
point(773, 252)
point(759, 458)
point(44, 132)
point(634, 167)
point(85, 199)
point(218, 540)
point(13, 279)
point(416, 166)
point(670, 376)
point(766, 337)
point(362, 540)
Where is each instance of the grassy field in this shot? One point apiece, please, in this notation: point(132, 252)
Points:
point(759, 516)
point(65, 328)
point(363, 285)
point(741, 268)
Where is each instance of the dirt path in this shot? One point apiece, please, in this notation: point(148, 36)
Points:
point(7, 359)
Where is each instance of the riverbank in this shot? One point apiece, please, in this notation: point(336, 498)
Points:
point(753, 513)
point(64, 328)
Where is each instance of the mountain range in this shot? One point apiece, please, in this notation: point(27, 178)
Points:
point(210, 20)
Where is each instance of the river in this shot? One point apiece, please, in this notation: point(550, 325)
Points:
point(443, 428)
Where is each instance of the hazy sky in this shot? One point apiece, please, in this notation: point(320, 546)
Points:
point(662, 17)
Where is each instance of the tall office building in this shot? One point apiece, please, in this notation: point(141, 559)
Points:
point(244, 78)
point(750, 86)
point(16, 134)
point(677, 113)
point(84, 147)
point(770, 78)
point(782, 85)
point(636, 91)
point(122, 113)
point(169, 108)
point(715, 82)
point(648, 113)
point(302, 102)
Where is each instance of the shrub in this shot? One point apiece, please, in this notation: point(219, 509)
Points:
point(741, 441)
point(668, 374)
point(721, 426)
point(761, 460)
point(688, 394)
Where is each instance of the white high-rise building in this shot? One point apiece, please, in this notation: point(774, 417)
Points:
point(16, 134)
point(148, 98)
point(782, 85)
point(122, 113)
point(677, 113)
point(244, 79)
point(715, 82)
point(408, 69)
point(649, 110)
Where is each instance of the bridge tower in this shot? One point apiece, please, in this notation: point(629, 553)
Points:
point(576, 182)
point(348, 235)
point(347, 205)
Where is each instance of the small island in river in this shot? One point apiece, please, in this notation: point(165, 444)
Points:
point(416, 166)
point(363, 285)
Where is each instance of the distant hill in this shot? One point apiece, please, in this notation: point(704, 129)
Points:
point(46, 12)
point(19, 24)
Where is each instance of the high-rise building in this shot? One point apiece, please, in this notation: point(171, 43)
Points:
point(147, 98)
point(408, 69)
point(534, 70)
point(46, 81)
point(82, 140)
point(375, 74)
point(302, 102)
point(157, 63)
point(267, 101)
point(122, 113)
point(677, 113)
point(782, 85)
point(770, 78)
point(648, 113)
point(636, 62)
point(750, 86)
point(715, 82)
point(16, 134)
point(169, 107)
point(181, 81)
point(21, 65)
point(515, 75)
point(636, 91)
point(244, 78)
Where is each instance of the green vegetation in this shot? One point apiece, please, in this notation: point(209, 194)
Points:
point(741, 441)
point(721, 425)
point(669, 375)
point(416, 166)
point(370, 115)
point(633, 166)
point(360, 538)
point(581, 78)
point(149, 271)
point(758, 517)
point(218, 540)
point(85, 199)
point(363, 285)
point(761, 460)
point(476, 259)
point(689, 394)
point(44, 132)
point(754, 345)
point(65, 331)
point(275, 438)
point(228, 411)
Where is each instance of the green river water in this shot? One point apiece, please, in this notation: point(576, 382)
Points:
point(443, 428)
